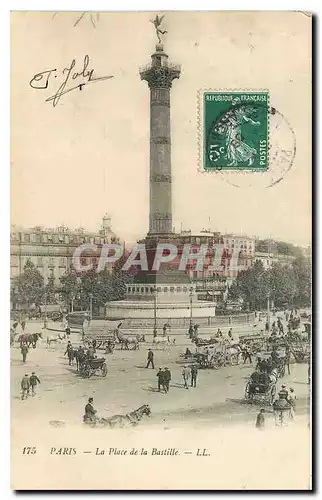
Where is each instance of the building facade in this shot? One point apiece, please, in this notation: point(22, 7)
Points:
point(51, 250)
point(268, 259)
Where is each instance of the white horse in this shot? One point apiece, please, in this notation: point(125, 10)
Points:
point(127, 340)
point(160, 341)
point(54, 339)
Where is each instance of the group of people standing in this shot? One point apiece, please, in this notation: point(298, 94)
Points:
point(189, 374)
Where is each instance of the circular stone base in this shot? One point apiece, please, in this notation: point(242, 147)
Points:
point(142, 313)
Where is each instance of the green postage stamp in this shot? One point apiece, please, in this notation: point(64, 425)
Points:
point(235, 128)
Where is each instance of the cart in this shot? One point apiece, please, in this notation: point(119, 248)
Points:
point(91, 366)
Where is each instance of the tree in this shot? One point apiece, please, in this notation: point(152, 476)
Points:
point(96, 288)
point(251, 285)
point(29, 286)
point(69, 286)
point(302, 267)
point(282, 284)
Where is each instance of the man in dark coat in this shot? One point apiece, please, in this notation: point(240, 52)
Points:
point(161, 383)
point(194, 374)
point(90, 412)
point(24, 352)
point(167, 378)
point(34, 380)
point(150, 359)
point(70, 353)
point(260, 420)
point(247, 355)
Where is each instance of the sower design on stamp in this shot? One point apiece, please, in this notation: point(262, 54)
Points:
point(236, 130)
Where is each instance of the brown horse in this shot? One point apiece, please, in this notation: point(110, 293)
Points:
point(132, 418)
point(29, 339)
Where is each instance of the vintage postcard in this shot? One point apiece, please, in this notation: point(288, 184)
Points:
point(160, 262)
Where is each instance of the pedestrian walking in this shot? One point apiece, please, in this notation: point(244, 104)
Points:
point(70, 353)
point(194, 374)
point(150, 359)
point(25, 386)
point(260, 420)
point(167, 378)
point(247, 355)
point(160, 376)
point(24, 352)
point(186, 377)
point(34, 380)
point(67, 330)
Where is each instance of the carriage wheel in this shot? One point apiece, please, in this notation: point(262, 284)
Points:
point(247, 391)
point(272, 394)
point(104, 370)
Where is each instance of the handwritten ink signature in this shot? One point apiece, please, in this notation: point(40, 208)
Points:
point(42, 80)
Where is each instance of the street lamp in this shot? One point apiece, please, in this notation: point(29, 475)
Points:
point(268, 310)
point(155, 331)
point(72, 303)
point(45, 318)
point(90, 306)
point(190, 294)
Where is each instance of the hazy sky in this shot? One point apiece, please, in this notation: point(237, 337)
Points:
point(90, 154)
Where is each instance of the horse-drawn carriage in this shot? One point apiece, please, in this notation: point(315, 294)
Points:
point(100, 340)
point(278, 362)
point(214, 360)
point(254, 343)
point(91, 366)
point(263, 389)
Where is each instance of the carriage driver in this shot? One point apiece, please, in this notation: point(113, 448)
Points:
point(90, 412)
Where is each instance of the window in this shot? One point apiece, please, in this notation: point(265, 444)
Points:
point(172, 289)
point(40, 262)
point(44, 238)
point(184, 289)
point(26, 238)
point(159, 289)
point(50, 237)
point(62, 262)
point(178, 288)
point(66, 239)
point(142, 290)
point(51, 262)
point(56, 238)
point(165, 289)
